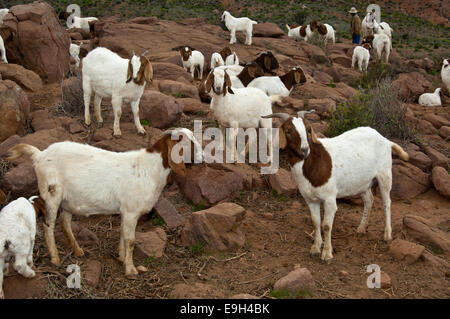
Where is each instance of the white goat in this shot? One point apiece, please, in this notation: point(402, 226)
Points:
point(238, 24)
point(431, 99)
point(85, 180)
point(367, 24)
point(79, 23)
point(326, 31)
point(3, 13)
point(232, 59)
point(299, 32)
point(381, 44)
point(330, 168)
point(383, 28)
point(17, 234)
point(216, 60)
point(279, 85)
point(231, 69)
point(361, 57)
point(108, 75)
point(445, 74)
point(75, 54)
point(238, 107)
point(3, 50)
point(191, 60)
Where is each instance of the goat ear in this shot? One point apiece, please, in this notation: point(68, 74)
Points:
point(282, 141)
point(148, 71)
point(130, 71)
point(209, 82)
point(227, 85)
point(313, 135)
point(251, 71)
point(178, 168)
point(297, 76)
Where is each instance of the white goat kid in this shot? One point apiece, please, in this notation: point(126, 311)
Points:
point(381, 45)
point(445, 74)
point(329, 168)
point(108, 75)
point(2, 51)
point(361, 57)
point(238, 24)
point(431, 99)
point(17, 235)
point(192, 60)
point(77, 22)
point(85, 180)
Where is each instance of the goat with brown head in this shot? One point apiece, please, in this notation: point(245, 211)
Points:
point(140, 69)
point(293, 77)
point(219, 81)
point(267, 61)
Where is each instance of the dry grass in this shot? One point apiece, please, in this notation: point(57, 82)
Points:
point(72, 102)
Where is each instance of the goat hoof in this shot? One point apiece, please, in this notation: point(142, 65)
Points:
point(142, 133)
point(56, 261)
point(78, 252)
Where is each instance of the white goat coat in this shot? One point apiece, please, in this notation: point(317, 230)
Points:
point(330, 33)
point(232, 59)
point(382, 47)
point(232, 69)
point(271, 85)
point(431, 99)
point(445, 74)
point(295, 33)
point(18, 227)
point(244, 108)
point(385, 30)
point(82, 23)
point(361, 57)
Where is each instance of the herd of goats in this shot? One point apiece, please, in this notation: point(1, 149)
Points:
point(80, 179)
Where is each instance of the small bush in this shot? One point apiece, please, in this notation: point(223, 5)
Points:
point(72, 100)
point(379, 108)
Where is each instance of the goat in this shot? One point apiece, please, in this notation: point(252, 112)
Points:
point(108, 75)
point(238, 24)
point(445, 74)
point(3, 50)
point(75, 54)
point(81, 23)
point(232, 59)
point(383, 28)
point(381, 44)
point(299, 32)
point(326, 31)
point(86, 180)
point(191, 60)
point(367, 24)
point(238, 107)
point(431, 99)
point(324, 169)
point(267, 61)
point(361, 57)
point(17, 235)
point(216, 60)
point(279, 85)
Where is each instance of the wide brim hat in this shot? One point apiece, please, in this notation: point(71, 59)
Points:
point(353, 10)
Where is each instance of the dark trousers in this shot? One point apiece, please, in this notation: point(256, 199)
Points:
point(356, 39)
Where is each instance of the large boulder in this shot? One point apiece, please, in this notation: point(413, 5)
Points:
point(159, 109)
point(206, 185)
point(178, 89)
point(268, 30)
point(218, 227)
point(27, 79)
point(411, 85)
point(14, 109)
point(408, 181)
point(170, 71)
point(38, 41)
point(151, 243)
point(441, 181)
point(283, 182)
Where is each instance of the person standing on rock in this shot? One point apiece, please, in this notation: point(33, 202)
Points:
point(355, 26)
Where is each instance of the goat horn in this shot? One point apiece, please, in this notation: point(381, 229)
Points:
point(145, 52)
point(302, 114)
point(283, 116)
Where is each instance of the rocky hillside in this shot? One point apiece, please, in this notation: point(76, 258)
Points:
point(225, 230)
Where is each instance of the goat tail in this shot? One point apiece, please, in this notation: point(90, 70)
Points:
point(254, 22)
point(19, 150)
point(399, 151)
point(276, 98)
point(287, 27)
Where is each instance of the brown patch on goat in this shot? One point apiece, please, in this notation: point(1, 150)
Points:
point(318, 166)
point(302, 31)
point(209, 82)
point(250, 72)
point(63, 15)
point(267, 61)
point(145, 72)
point(313, 25)
point(227, 85)
point(293, 77)
point(291, 141)
point(185, 52)
point(294, 26)
point(367, 46)
point(164, 146)
point(40, 208)
point(322, 29)
point(225, 52)
point(368, 39)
